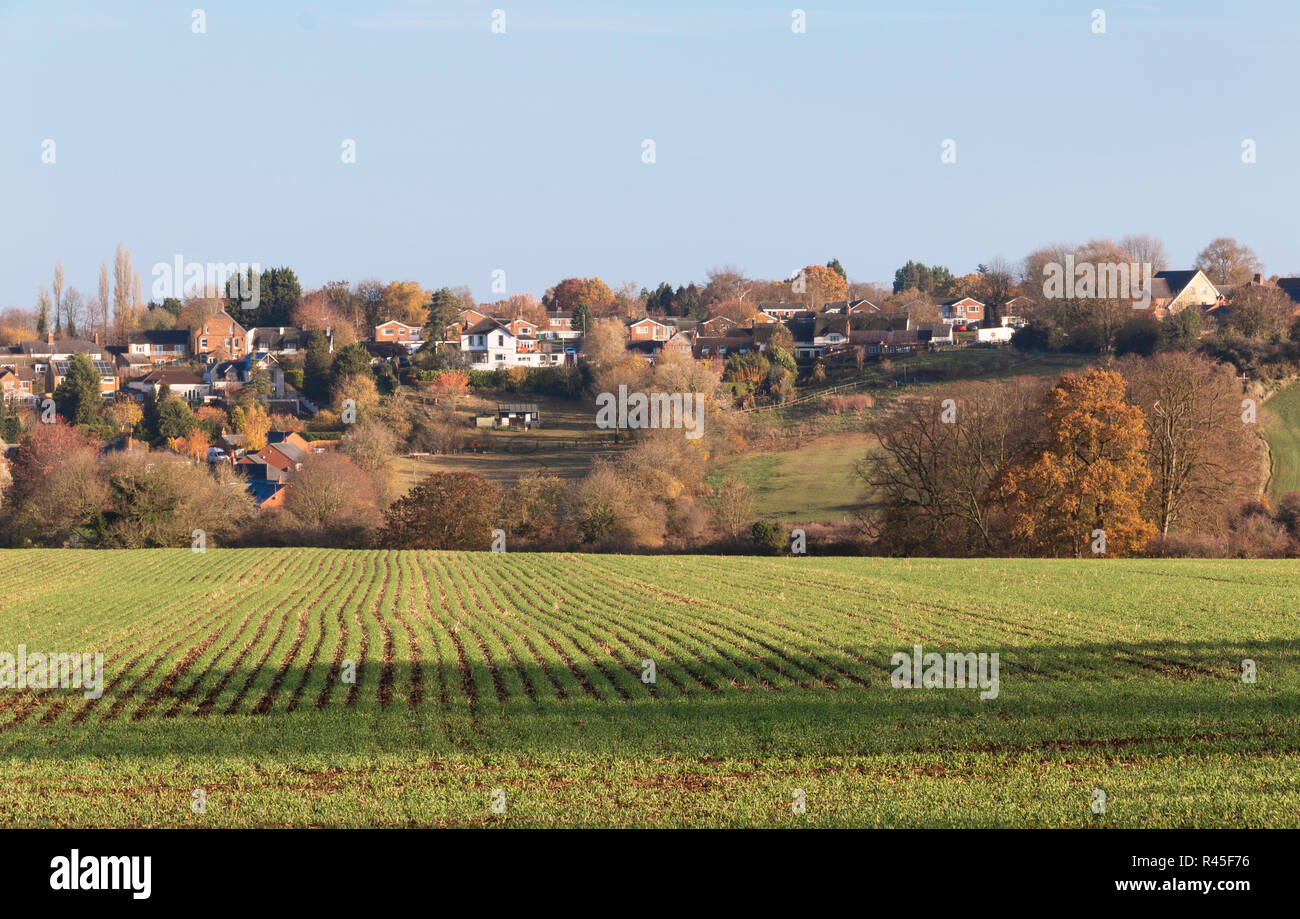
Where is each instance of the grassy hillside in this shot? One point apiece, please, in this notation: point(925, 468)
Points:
point(226, 672)
point(813, 481)
point(1283, 433)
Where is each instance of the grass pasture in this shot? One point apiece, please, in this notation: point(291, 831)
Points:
point(810, 481)
point(1283, 432)
point(226, 672)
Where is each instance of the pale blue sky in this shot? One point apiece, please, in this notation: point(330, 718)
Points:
point(522, 151)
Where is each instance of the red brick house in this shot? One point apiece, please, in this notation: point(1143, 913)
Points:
point(220, 334)
point(19, 383)
point(961, 310)
point(648, 329)
point(399, 332)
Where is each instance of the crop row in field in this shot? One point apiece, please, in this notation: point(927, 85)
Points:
point(252, 667)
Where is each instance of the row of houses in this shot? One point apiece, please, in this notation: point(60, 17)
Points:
point(37, 368)
point(493, 342)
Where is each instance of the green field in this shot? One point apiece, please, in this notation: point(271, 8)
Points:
point(521, 674)
point(812, 481)
point(1283, 432)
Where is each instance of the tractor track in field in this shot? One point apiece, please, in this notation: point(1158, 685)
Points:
point(363, 637)
point(805, 646)
point(327, 598)
point(541, 629)
point(185, 694)
point(167, 685)
point(308, 579)
point(505, 587)
point(741, 639)
point(498, 685)
point(415, 692)
point(157, 615)
point(597, 602)
point(120, 700)
point(444, 695)
point(206, 706)
point(479, 586)
point(615, 628)
point(462, 663)
point(336, 663)
point(384, 692)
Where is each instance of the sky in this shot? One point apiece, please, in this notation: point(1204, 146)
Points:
point(523, 151)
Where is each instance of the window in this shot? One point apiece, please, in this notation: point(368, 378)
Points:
point(501, 340)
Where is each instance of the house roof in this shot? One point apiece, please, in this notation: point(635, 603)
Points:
point(263, 490)
point(159, 337)
point(62, 346)
point(729, 340)
point(218, 316)
point(1291, 286)
point(21, 371)
point(507, 407)
point(1177, 280)
point(103, 368)
point(278, 336)
point(891, 337)
point(172, 376)
point(488, 325)
point(275, 459)
point(288, 450)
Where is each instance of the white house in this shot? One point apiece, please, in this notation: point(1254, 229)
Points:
point(180, 382)
point(491, 344)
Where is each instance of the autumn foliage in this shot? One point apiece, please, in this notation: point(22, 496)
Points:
point(1090, 474)
point(448, 510)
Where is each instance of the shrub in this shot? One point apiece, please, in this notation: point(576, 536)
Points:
point(448, 510)
point(769, 537)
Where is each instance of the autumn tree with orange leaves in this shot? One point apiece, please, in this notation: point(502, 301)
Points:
point(819, 285)
point(1089, 474)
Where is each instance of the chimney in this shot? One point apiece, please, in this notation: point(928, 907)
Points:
point(1259, 279)
point(49, 337)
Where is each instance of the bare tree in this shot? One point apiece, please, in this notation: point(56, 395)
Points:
point(72, 311)
point(103, 301)
point(58, 297)
point(137, 298)
point(606, 344)
point(727, 282)
point(42, 310)
point(930, 485)
point(733, 506)
point(1226, 261)
point(122, 272)
point(1202, 454)
point(997, 286)
point(1145, 249)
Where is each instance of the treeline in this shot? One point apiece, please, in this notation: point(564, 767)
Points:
point(1158, 455)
